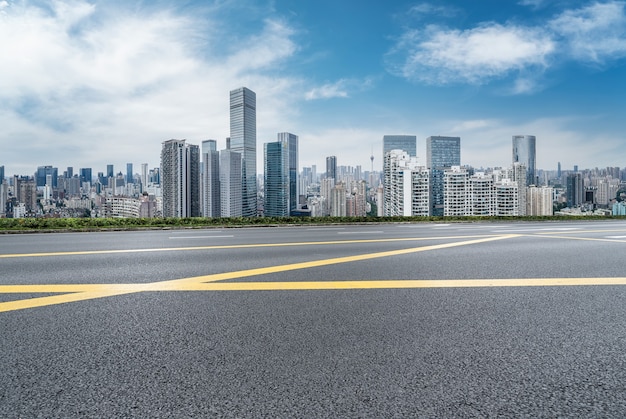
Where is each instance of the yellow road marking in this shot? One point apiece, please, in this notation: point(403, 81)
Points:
point(551, 236)
point(234, 246)
point(87, 291)
point(393, 284)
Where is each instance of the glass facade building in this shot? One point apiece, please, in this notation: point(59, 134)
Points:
point(281, 175)
point(210, 179)
point(406, 143)
point(524, 152)
point(243, 141)
point(441, 153)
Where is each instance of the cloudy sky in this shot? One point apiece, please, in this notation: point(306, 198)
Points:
point(91, 83)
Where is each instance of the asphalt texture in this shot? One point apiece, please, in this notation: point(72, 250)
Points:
point(493, 351)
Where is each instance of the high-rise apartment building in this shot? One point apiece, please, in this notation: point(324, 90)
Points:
point(406, 186)
point(441, 153)
point(292, 165)
point(230, 184)
point(210, 179)
point(331, 168)
point(243, 141)
point(276, 181)
point(539, 200)
point(406, 143)
point(524, 152)
point(180, 171)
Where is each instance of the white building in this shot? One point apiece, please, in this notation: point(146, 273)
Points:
point(539, 200)
point(406, 187)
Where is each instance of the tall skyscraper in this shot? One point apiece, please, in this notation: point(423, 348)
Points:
point(144, 176)
point(110, 172)
point(276, 161)
point(243, 141)
point(210, 179)
point(180, 171)
point(129, 173)
point(406, 143)
point(441, 153)
point(575, 190)
point(42, 172)
point(331, 167)
point(85, 175)
point(1, 179)
point(292, 146)
point(230, 184)
point(524, 153)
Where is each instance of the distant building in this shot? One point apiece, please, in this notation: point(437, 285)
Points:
point(210, 179)
point(292, 165)
point(180, 170)
point(230, 184)
point(539, 201)
point(42, 172)
point(243, 141)
point(406, 143)
point(129, 173)
point(575, 190)
point(276, 180)
point(331, 168)
point(405, 186)
point(524, 152)
point(441, 153)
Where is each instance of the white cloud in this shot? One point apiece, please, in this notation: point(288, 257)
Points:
point(474, 56)
point(491, 51)
point(338, 89)
point(84, 86)
point(594, 33)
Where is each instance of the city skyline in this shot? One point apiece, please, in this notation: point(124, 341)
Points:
point(86, 84)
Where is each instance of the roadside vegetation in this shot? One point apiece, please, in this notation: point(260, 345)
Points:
point(103, 224)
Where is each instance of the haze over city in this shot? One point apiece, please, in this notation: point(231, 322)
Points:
point(87, 84)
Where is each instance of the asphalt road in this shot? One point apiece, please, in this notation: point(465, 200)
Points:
point(390, 320)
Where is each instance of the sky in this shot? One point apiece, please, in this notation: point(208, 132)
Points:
point(91, 83)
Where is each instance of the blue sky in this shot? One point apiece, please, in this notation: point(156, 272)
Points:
point(89, 83)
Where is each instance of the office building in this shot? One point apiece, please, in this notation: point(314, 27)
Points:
point(1, 175)
point(231, 184)
point(110, 172)
point(406, 143)
point(276, 180)
point(42, 172)
point(85, 178)
point(180, 171)
point(129, 173)
point(210, 179)
point(292, 165)
point(331, 168)
point(524, 152)
point(243, 141)
point(575, 190)
point(441, 153)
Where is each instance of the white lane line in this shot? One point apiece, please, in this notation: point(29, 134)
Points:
point(615, 237)
point(199, 237)
point(325, 228)
point(360, 232)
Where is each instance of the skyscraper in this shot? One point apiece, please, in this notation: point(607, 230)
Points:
point(243, 141)
point(230, 184)
point(331, 167)
point(276, 161)
point(292, 146)
point(210, 179)
point(129, 173)
point(180, 169)
point(524, 153)
point(43, 171)
point(441, 153)
point(110, 172)
point(406, 143)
